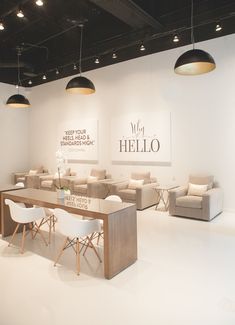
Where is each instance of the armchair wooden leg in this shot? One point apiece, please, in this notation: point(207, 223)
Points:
point(61, 251)
point(15, 231)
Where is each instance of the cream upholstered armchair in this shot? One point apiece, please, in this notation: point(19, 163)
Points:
point(140, 189)
point(198, 200)
point(31, 178)
point(80, 186)
point(50, 182)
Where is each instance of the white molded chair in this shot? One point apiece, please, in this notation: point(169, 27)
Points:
point(115, 198)
point(50, 220)
point(25, 216)
point(77, 231)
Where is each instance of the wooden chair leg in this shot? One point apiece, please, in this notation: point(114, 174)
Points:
point(23, 238)
point(31, 229)
point(50, 226)
point(15, 231)
point(90, 244)
point(78, 257)
point(61, 251)
point(41, 234)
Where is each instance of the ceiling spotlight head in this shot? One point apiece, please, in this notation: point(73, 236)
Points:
point(39, 3)
point(18, 101)
point(114, 55)
point(30, 82)
point(57, 71)
point(218, 28)
point(20, 13)
point(80, 85)
point(74, 67)
point(194, 62)
point(142, 47)
point(176, 39)
point(44, 77)
point(97, 61)
point(1, 26)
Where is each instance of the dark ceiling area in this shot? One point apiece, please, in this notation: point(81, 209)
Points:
point(48, 36)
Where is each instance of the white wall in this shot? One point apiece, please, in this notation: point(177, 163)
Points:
point(202, 109)
point(14, 136)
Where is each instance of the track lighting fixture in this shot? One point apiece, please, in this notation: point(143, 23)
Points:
point(142, 47)
point(17, 100)
point(97, 61)
point(44, 77)
point(114, 55)
point(80, 84)
point(1, 26)
point(176, 39)
point(20, 13)
point(74, 67)
point(194, 62)
point(30, 82)
point(57, 71)
point(218, 27)
point(39, 3)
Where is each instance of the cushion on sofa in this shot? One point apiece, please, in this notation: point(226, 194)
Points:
point(195, 189)
point(91, 179)
point(82, 188)
point(144, 176)
point(99, 173)
point(189, 202)
point(134, 183)
point(47, 183)
point(21, 179)
point(202, 180)
point(127, 194)
point(33, 172)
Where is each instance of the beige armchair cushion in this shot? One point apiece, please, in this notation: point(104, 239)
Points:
point(47, 183)
point(140, 176)
point(33, 172)
point(194, 202)
point(134, 183)
point(81, 189)
point(128, 194)
point(92, 179)
point(99, 173)
point(195, 189)
point(202, 180)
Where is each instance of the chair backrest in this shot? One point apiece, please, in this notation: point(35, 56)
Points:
point(202, 180)
point(71, 226)
point(113, 198)
point(21, 214)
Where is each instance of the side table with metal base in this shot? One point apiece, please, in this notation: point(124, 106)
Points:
point(163, 191)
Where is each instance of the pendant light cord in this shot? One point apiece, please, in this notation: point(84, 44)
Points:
point(192, 27)
point(18, 70)
point(80, 54)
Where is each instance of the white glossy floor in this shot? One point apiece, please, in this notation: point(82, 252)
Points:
point(185, 275)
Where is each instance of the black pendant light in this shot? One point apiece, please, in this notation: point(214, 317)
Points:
point(80, 84)
point(17, 100)
point(195, 61)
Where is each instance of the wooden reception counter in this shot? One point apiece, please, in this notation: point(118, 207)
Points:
point(119, 222)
